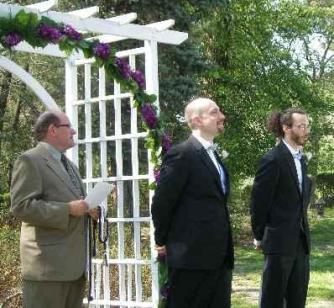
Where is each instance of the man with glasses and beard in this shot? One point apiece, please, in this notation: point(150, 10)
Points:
point(279, 202)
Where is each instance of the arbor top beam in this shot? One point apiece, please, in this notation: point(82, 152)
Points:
point(102, 26)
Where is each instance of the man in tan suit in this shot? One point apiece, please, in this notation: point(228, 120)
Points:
point(46, 194)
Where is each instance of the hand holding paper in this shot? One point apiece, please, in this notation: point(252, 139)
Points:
point(98, 194)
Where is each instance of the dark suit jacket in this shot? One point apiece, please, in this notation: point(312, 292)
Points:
point(52, 242)
point(189, 210)
point(278, 208)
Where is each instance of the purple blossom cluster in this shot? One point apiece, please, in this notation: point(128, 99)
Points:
point(126, 72)
point(11, 39)
point(166, 142)
point(123, 68)
point(156, 174)
point(149, 116)
point(138, 77)
point(165, 290)
point(70, 32)
point(49, 33)
point(102, 50)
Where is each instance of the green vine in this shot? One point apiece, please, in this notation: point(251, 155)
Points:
point(41, 31)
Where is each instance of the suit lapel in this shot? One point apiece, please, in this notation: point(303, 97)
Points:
point(203, 154)
point(227, 177)
point(56, 169)
point(291, 164)
point(305, 179)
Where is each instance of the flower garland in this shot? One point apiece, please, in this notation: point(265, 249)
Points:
point(39, 32)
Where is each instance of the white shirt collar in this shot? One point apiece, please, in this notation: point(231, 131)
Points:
point(291, 149)
point(205, 143)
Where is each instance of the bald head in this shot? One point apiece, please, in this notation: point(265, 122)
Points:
point(195, 108)
point(204, 118)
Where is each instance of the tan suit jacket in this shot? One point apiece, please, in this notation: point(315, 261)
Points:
point(52, 244)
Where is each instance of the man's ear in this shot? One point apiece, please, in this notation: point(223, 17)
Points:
point(51, 130)
point(286, 128)
point(197, 122)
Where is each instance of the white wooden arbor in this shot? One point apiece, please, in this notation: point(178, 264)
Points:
point(112, 150)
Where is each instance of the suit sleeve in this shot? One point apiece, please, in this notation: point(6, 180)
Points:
point(262, 195)
point(173, 178)
point(27, 201)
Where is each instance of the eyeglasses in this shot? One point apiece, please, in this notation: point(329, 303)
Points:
point(64, 125)
point(303, 127)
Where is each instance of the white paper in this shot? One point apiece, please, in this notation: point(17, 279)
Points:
point(98, 194)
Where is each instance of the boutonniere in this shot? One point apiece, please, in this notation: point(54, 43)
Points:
point(222, 153)
point(308, 155)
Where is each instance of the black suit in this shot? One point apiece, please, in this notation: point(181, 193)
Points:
point(190, 214)
point(279, 221)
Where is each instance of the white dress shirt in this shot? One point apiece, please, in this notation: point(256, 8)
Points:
point(297, 164)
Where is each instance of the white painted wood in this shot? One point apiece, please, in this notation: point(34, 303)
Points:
point(159, 26)
point(71, 95)
point(31, 82)
point(120, 304)
point(102, 116)
point(120, 190)
point(97, 293)
point(135, 190)
point(88, 126)
point(116, 178)
point(152, 86)
point(112, 138)
point(112, 29)
point(86, 12)
point(97, 25)
point(43, 6)
point(124, 19)
point(129, 282)
point(122, 261)
point(49, 50)
point(162, 25)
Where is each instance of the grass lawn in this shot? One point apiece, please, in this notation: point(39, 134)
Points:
point(248, 268)
point(247, 273)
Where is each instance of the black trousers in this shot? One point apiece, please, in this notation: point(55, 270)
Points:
point(285, 279)
point(200, 288)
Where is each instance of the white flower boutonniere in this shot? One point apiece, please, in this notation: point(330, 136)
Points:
point(308, 155)
point(224, 154)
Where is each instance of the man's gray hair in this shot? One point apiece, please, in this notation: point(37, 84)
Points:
point(43, 122)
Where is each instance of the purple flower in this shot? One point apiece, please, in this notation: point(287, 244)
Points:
point(11, 39)
point(102, 50)
point(49, 33)
point(138, 77)
point(71, 33)
point(123, 68)
point(165, 290)
point(162, 256)
point(166, 142)
point(156, 173)
point(149, 116)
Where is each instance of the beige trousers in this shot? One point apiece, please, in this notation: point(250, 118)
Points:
point(53, 294)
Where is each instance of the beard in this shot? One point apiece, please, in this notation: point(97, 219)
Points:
point(299, 140)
